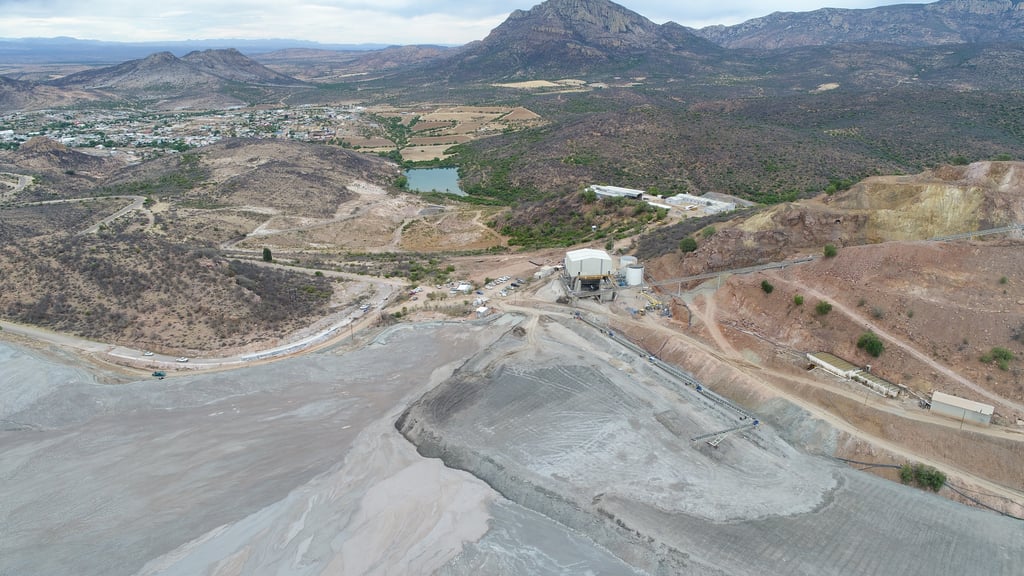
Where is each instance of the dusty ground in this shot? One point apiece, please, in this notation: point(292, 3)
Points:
point(589, 442)
point(281, 467)
point(565, 421)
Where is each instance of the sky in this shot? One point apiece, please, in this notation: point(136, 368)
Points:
point(449, 22)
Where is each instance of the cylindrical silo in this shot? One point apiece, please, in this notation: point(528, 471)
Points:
point(634, 275)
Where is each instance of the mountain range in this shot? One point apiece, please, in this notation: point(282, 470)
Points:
point(976, 44)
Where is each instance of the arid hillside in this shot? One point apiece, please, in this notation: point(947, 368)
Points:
point(168, 254)
point(941, 202)
point(953, 301)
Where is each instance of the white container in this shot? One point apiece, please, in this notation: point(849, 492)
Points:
point(634, 275)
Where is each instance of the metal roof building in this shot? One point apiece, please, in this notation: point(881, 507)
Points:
point(616, 192)
point(588, 263)
point(961, 408)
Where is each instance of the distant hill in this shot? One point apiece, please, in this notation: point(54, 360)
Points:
point(319, 65)
point(97, 52)
point(943, 22)
point(164, 70)
point(20, 94)
point(211, 78)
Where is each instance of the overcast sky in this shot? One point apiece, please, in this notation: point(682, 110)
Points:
point(339, 21)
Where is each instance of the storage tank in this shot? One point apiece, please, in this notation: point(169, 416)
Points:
point(627, 261)
point(634, 275)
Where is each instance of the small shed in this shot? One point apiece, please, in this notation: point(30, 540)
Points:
point(961, 408)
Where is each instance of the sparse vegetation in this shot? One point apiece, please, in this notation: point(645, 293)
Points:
point(708, 232)
point(822, 307)
point(871, 343)
point(1001, 356)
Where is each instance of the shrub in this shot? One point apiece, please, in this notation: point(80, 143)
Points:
point(822, 308)
point(906, 474)
point(709, 232)
point(1001, 356)
point(830, 250)
point(688, 244)
point(767, 287)
point(267, 256)
point(798, 300)
point(1004, 280)
point(871, 343)
point(922, 476)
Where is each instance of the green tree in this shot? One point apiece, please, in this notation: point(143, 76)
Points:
point(871, 343)
point(830, 251)
point(688, 244)
point(267, 256)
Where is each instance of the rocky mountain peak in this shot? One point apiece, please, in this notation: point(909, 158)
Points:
point(158, 58)
point(584, 20)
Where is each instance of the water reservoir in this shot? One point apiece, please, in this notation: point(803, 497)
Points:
point(434, 180)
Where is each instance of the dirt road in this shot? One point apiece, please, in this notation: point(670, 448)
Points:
point(908, 348)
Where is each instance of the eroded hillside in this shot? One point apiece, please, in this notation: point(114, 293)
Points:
point(941, 202)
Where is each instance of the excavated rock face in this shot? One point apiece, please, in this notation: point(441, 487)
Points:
point(944, 201)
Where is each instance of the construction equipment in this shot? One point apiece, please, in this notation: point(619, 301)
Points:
point(652, 302)
point(717, 437)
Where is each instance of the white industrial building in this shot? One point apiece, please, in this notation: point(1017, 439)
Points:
point(833, 364)
point(961, 408)
point(709, 205)
point(616, 192)
point(844, 369)
point(586, 268)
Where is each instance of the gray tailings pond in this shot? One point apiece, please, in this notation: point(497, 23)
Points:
point(566, 454)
